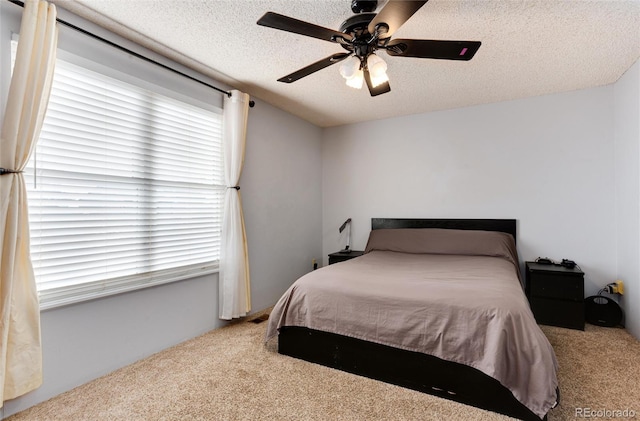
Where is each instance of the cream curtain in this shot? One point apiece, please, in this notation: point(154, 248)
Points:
point(20, 350)
point(235, 294)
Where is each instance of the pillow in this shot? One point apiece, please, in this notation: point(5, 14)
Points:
point(444, 241)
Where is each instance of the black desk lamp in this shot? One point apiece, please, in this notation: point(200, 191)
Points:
point(342, 227)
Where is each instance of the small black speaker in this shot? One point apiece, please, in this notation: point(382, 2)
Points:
point(602, 311)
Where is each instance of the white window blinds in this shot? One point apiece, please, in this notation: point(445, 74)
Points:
point(125, 188)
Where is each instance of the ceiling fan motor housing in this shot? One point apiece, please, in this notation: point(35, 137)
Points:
point(357, 27)
point(363, 6)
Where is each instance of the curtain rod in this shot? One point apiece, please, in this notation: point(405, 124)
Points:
point(133, 53)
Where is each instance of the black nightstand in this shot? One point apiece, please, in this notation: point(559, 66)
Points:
point(556, 294)
point(341, 256)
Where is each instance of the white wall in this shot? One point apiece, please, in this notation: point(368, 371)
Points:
point(627, 165)
point(84, 341)
point(546, 161)
point(281, 188)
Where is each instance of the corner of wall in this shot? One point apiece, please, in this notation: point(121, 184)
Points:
point(627, 191)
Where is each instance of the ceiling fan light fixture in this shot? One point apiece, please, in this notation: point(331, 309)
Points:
point(356, 80)
point(349, 67)
point(377, 70)
point(379, 80)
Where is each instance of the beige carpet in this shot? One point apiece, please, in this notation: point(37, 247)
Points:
point(228, 374)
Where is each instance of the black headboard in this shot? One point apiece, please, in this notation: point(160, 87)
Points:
point(501, 225)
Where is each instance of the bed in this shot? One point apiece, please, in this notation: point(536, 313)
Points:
point(435, 305)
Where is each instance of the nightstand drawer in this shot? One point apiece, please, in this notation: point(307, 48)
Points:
point(554, 312)
point(562, 287)
point(556, 294)
point(338, 259)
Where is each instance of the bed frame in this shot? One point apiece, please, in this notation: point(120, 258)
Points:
point(413, 370)
point(501, 225)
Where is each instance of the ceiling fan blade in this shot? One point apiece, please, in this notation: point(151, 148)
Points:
point(383, 88)
point(312, 68)
point(424, 48)
point(285, 23)
point(394, 14)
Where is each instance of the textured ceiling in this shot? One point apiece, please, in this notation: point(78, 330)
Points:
point(529, 47)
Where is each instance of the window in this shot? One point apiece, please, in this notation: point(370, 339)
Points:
point(125, 188)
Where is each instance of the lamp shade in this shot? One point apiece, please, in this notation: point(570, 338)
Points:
point(350, 67)
point(357, 80)
point(377, 70)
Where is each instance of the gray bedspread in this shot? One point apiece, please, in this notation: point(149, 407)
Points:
point(466, 308)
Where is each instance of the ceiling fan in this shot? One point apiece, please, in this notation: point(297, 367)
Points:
point(365, 33)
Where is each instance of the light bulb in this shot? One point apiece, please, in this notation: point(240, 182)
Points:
point(356, 80)
point(350, 67)
point(377, 70)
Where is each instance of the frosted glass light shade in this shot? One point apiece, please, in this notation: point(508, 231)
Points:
point(379, 80)
point(356, 80)
point(350, 67)
point(377, 70)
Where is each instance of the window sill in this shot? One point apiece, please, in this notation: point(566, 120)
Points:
point(72, 294)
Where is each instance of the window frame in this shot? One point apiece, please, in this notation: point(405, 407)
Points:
point(92, 54)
